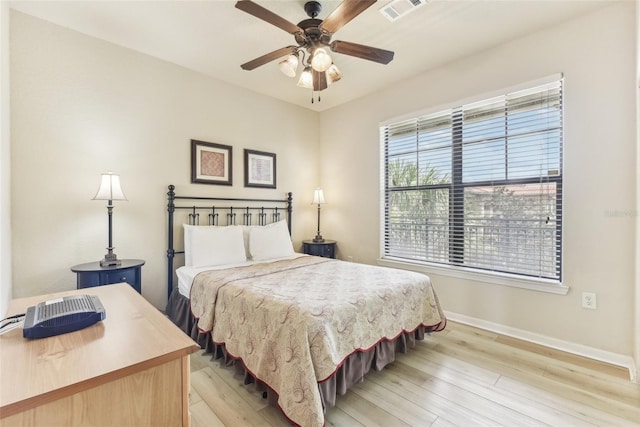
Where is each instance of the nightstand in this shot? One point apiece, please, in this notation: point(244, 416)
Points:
point(325, 249)
point(91, 274)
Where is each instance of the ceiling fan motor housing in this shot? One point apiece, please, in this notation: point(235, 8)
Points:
point(312, 35)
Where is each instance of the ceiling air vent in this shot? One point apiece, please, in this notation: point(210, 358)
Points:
point(399, 8)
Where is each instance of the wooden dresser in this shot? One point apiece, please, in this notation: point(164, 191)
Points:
point(132, 369)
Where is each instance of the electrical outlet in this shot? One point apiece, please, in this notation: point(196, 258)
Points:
point(350, 258)
point(589, 300)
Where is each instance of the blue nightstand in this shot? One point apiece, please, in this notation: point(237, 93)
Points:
point(325, 249)
point(92, 274)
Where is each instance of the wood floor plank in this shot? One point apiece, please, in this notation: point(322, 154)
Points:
point(573, 359)
point(273, 416)
point(555, 401)
point(366, 412)
point(464, 376)
point(619, 390)
point(194, 397)
point(225, 402)
point(441, 422)
point(448, 409)
point(485, 402)
point(235, 380)
point(457, 368)
point(336, 417)
point(395, 404)
point(203, 416)
point(533, 369)
point(460, 350)
point(499, 354)
point(199, 360)
point(522, 405)
point(472, 331)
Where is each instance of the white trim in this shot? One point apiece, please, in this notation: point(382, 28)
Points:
point(490, 277)
point(566, 346)
point(381, 193)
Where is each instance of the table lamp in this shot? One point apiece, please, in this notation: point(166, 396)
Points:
point(110, 190)
point(318, 198)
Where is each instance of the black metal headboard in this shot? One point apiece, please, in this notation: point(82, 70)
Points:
point(266, 211)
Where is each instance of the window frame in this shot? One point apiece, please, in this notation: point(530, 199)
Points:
point(456, 220)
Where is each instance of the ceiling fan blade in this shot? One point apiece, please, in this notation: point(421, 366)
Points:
point(319, 80)
point(361, 51)
point(268, 57)
point(266, 15)
point(345, 12)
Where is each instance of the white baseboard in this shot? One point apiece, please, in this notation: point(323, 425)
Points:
point(569, 347)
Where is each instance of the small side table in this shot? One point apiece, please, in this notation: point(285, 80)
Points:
point(325, 249)
point(92, 274)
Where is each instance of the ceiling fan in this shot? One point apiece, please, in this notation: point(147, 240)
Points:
point(312, 36)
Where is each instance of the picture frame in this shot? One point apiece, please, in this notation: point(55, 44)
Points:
point(211, 163)
point(259, 169)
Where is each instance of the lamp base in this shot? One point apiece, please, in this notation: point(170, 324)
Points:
point(110, 260)
point(318, 239)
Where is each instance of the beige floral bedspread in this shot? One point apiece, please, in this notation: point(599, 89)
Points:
point(293, 322)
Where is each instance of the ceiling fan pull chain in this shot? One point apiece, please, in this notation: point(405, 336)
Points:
point(312, 97)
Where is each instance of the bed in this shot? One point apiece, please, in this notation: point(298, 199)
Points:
point(302, 328)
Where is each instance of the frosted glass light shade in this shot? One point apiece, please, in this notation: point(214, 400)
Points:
point(333, 74)
point(306, 79)
point(321, 60)
point(110, 188)
point(289, 65)
point(318, 197)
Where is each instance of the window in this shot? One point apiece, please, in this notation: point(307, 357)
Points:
point(478, 186)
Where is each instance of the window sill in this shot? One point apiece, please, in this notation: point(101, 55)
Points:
point(492, 278)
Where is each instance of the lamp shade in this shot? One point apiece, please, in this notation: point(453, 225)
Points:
point(333, 74)
point(306, 79)
point(318, 197)
point(110, 188)
point(289, 65)
point(321, 60)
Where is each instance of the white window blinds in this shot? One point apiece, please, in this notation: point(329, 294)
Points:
point(479, 185)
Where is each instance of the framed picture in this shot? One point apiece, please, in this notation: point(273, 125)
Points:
point(259, 169)
point(211, 163)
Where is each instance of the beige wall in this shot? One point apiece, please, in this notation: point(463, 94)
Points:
point(5, 177)
point(81, 106)
point(596, 54)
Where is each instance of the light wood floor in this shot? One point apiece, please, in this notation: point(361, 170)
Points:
point(462, 376)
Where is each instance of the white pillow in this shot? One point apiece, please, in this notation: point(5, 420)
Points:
point(246, 229)
point(210, 245)
point(187, 244)
point(270, 241)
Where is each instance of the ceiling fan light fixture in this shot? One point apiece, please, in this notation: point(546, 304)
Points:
point(333, 74)
point(306, 78)
point(313, 39)
point(321, 60)
point(289, 65)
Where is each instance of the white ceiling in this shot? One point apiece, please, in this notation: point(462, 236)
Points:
point(214, 38)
